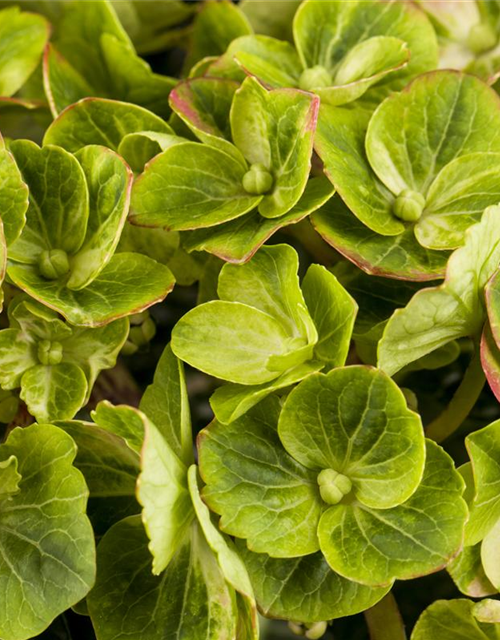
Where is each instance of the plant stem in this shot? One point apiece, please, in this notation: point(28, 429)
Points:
point(384, 620)
point(461, 404)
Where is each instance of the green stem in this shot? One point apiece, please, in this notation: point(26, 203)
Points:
point(384, 620)
point(461, 404)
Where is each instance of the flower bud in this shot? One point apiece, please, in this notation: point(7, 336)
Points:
point(409, 205)
point(142, 331)
point(316, 630)
point(53, 264)
point(50, 352)
point(481, 38)
point(333, 486)
point(257, 180)
point(315, 78)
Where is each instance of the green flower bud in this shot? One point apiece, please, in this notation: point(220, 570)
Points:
point(481, 38)
point(409, 205)
point(142, 331)
point(315, 78)
point(258, 180)
point(53, 264)
point(316, 630)
point(50, 352)
point(333, 486)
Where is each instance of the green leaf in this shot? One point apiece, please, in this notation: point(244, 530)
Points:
point(324, 32)
point(261, 492)
point(305, 589)
point(398, 256)
point(163, 492)
point(101, 121)
point(109, 182)
point(420, 536)
point(484, 450)
point(190, 599)
point(451, 620)
point(58, 201)
point(215, 27)
point(333, 312)
point(269, 18)
point(490, 556)
point(340, 143)
point(139, 148)
point(468, 573)
point(9, 478)
point(110, 469)
point(355, 421)
point(490, 360)
point(132, 78)
point(48, 559)
point(79, 35)
point(22, 37)
point(128, 284)
point(276, 129)
point(166, 404)
point(231, 401)
point(123, 421)
point(54, 392)
point(455, 309)
point(204, 104)
point(18, 353)
point(230, 563)
point(231, 341)
point(96, 349)
point(13, 196)
point(191, 185)
point(269, 283)
point(461, 115)
point(238, 240)
point(457, 198)
point(63, 84)
point(272, 61)
point(366, 64)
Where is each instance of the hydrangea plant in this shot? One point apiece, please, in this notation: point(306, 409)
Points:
point(250, 302)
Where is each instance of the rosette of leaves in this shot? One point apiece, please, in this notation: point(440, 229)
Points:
point(65, 256)
point(54, 364)
point(468, 35)
point(195, 582)
point(47, 559)
point(343, 468)
point(344, 50)
point(266, 331)
point(92, 55)
point(247, 177)
point(408, 196)
point(476, 570)
point(456, 619)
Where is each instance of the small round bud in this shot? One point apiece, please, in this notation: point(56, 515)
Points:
point(333, 486)
point(142, 331)
point(296, 628)
point(316, 630)
point(315, 78)
point(257, 180)
point(50, 352)
point(53, 264)
point(409, 205)
point(481, 38)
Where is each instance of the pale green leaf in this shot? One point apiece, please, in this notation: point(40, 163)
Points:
point(260, 491)
point(166, 404)
point(451, 620)
point(13, 196)
point(305, 589)
point(54, 392)
point(468, 573)
point(9, 478)
point(123, 421)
